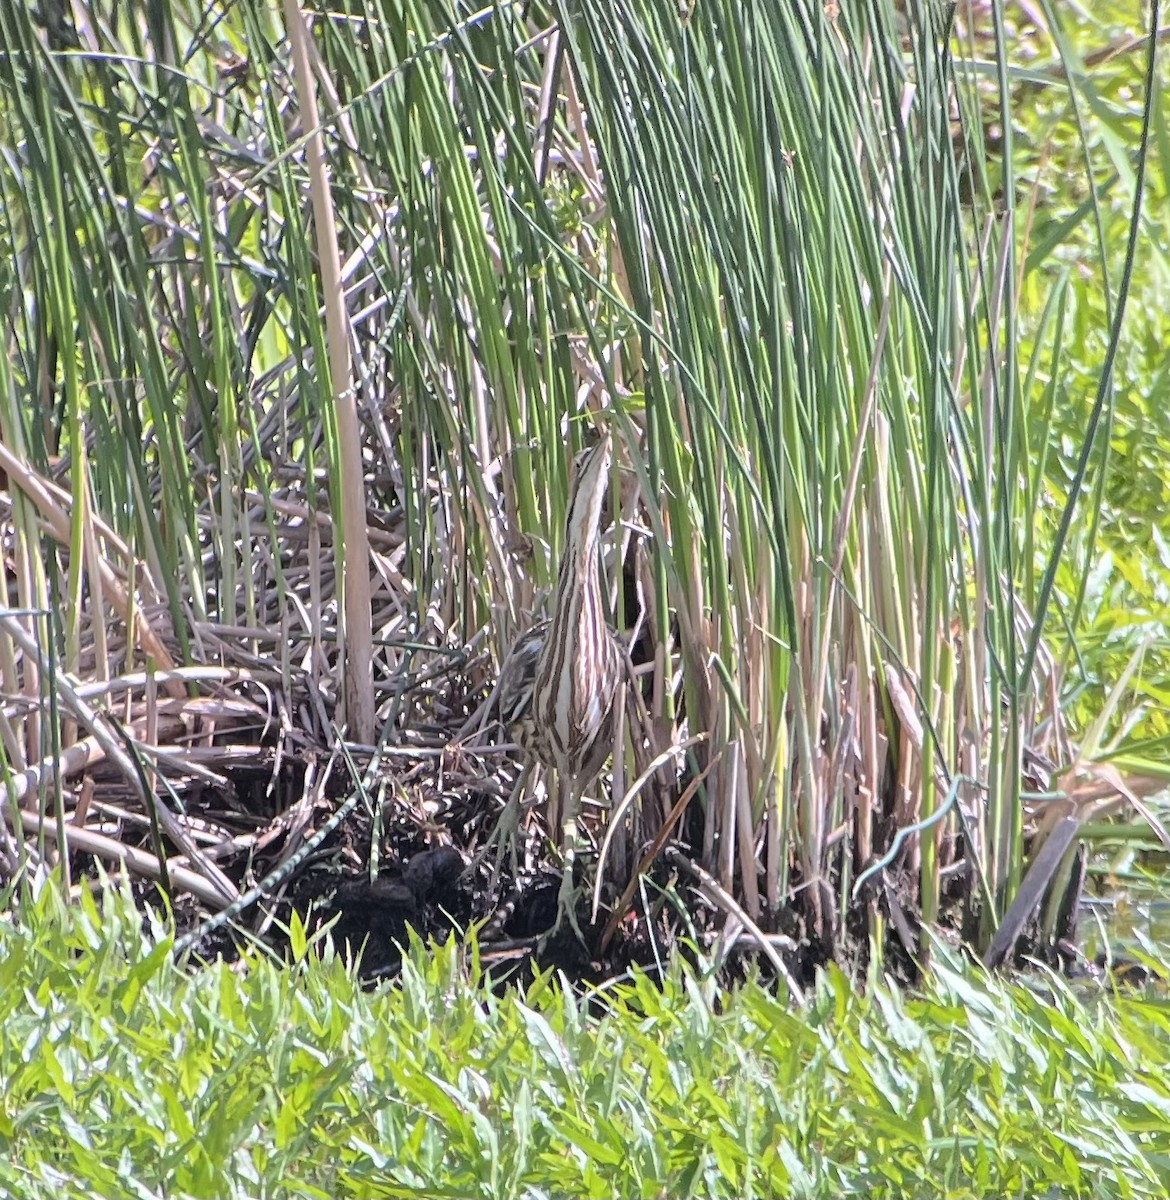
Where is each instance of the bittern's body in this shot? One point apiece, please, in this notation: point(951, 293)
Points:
point(559, 683)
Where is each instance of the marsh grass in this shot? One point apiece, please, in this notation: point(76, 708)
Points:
point(263, 356)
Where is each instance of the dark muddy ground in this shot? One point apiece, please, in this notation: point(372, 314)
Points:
point(410, 855)
point(432, 873)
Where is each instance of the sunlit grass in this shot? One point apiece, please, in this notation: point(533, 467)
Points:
point(126, 1075)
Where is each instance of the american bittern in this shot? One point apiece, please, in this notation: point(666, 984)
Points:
point(559, 683)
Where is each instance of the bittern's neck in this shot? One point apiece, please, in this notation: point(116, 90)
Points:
point(577, 614)
point(578, 582)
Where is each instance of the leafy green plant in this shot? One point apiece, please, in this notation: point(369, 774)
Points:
point(127, 1075)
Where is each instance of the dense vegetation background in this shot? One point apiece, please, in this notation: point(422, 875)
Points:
point(305, 312)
